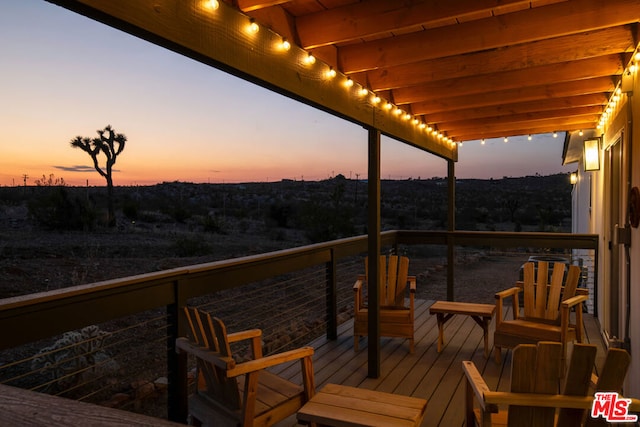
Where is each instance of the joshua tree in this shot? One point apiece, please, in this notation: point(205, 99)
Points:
point(111, 144)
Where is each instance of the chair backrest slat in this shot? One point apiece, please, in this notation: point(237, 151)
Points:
point(535, 369)
point(392, 283)
point(211, 333)
point(542, 298)
point(577, 382)
point(553, 303)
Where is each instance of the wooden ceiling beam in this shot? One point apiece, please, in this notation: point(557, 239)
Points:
point(509, 120)
point(252, 5)
point(570, 17)
point(561, 49)
point(370, 18)
point(523, 94)
point(507, 129)
point(530, 130)
point(546, 74)
point(598, 99)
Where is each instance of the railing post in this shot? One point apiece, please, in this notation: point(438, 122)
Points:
point(374, 245)
point(332, 298)
point(177, 389)
point(451, 227)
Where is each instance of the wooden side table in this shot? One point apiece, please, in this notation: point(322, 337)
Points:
point(481, 313)
point(344, 406)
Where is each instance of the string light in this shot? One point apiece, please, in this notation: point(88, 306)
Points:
point(506, 139)
point(580, 133)
point(529, 137)
point(348, 82)
point(285, 45)
point(375, 99)
point(482, 141)
point(331, 73)
point(310, 59)
point(212, 4)
point(555, 134)
point(388, 106)
point(397, 111)
point(415, 121)
point(253, 28)
point(407, 116)
point(363, 91)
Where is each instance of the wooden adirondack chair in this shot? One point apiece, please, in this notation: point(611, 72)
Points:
point(547, 309)
point(536, 378)
point(230, 393)
point(396, 318)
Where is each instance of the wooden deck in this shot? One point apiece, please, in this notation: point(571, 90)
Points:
point(427, 374)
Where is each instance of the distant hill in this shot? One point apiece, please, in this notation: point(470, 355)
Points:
point(311, 210)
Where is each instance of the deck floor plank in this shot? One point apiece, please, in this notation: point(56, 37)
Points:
point(426, 374)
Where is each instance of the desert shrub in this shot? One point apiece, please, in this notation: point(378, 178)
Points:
point(74, 357)
point(130, 210)
point(57, 210)
point(212, 224)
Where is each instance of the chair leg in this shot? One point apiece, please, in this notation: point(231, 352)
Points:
point(497, 354)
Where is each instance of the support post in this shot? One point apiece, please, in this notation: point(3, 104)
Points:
point(451, 227)
point(374, 246)
point(177, 391)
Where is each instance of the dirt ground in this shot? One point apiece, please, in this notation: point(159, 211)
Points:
point(476, 278)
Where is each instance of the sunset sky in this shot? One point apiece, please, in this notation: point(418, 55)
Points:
point(64, 75)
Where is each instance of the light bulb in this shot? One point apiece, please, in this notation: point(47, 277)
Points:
point(375, 99)
point(482, 141)
point(285, 45)
point(363, 91)
point(212, 4)
point(388, 106)
point(310, 59)
point(580, 133)
point(555, 134)
point(253, 28)
point(331, 73)
point(348, 82)
point(407, 116)
point(506, 139)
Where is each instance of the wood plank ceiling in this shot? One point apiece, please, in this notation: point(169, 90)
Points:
point(471, 68)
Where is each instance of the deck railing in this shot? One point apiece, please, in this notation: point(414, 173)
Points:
point(30, 318)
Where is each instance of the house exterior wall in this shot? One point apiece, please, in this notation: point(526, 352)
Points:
point(600, 218)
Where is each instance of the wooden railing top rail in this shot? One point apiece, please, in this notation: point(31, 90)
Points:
point(500, 239)
point(27, 318)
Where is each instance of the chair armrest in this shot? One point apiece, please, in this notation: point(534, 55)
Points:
point(255, 335)
point(244, 335)
point(573, 301)
point(478, 385)
point(500, 297)
point(267, 361)
point(412, 284)
point(183, 344)
point(508, 292)
point(359, 282)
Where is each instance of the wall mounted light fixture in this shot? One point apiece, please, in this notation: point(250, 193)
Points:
point(592, 154)
point(573, 178)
